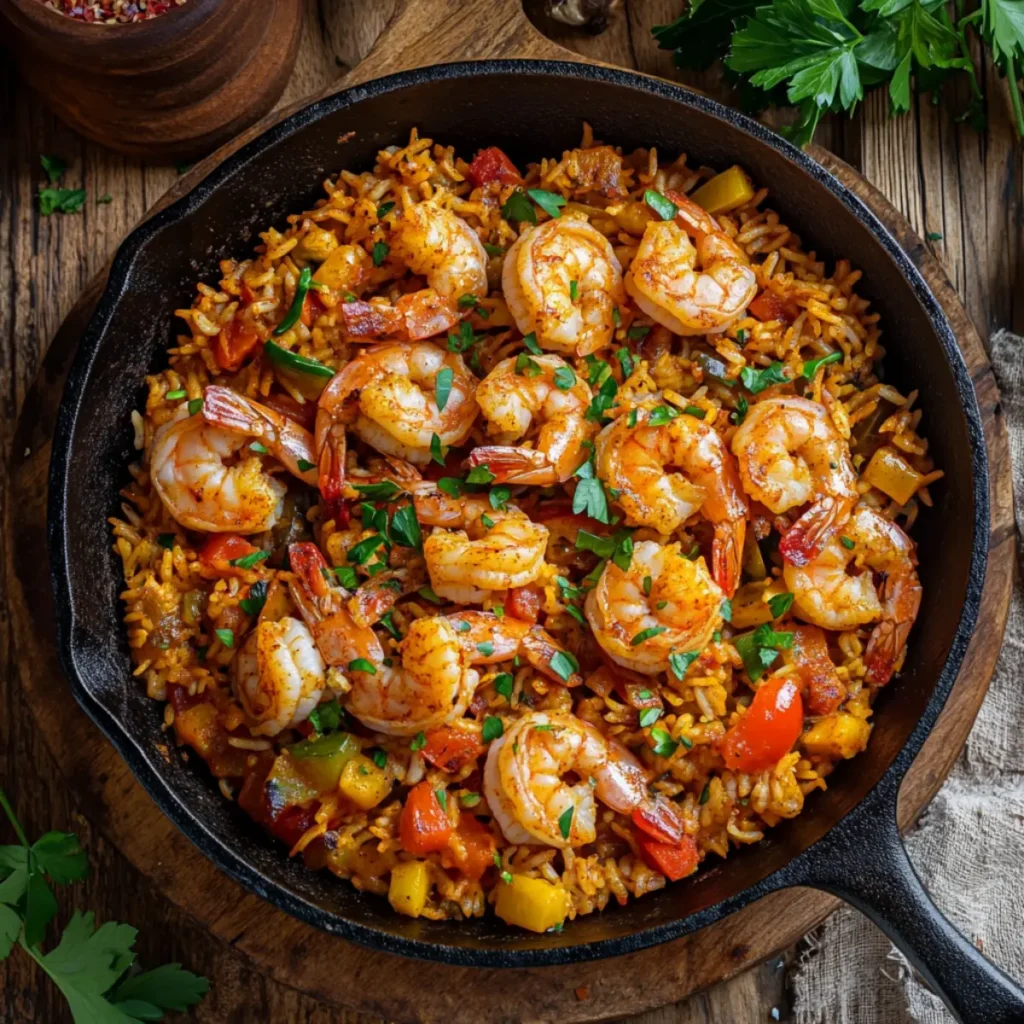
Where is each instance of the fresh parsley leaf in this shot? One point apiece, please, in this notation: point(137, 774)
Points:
point(742, 408)
point(494, 250)
point(847, 542)
point(480, 475)
point(503, 684)
point(702, 33)
point(760, 648)
point(625, 358)
point(437, 450)
point(680, 663)
point(518, 208)
point(591, 500)
point(550, 202)
point(755, 380)
point(362, 551)
point(563, 664)
point(451, 485)
point(661, 414)
point(499, 498)
point(565, 378)
point(780, 604)
point(647, 634)
point(405, 528)
point(249, 561)
point(61, 200)
point(649, 716)
point(664, 745)
point(465, 339)
point(565, 821)
point(382, 491)
point(226, 637)
point(60, 855)
point(811, 365)
point(492, 730)
point(54, 166)
point(164, 988)
point(384, 209)
point(443, 386)
point(527, 367)
point(638, 331)
point(380, 252)
point(419, 741)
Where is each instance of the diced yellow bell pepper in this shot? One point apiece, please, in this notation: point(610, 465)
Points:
point(892, 475)
point(343, 269)
point(531, 903)
point(197, 726)
point(363, 782)
point(839, 735)
point(410, 883)
point(749, 607)
point(724, 192)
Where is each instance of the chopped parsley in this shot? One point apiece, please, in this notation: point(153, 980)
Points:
point(486, 648)
point(726, 610)
point(565, 821)
point(647, 634)
point(499, 498)
point(565, 378)
point(638, 331)
point(253, 602)
point(526, 366)
point(811, 366)
point(327, 718)
point(380, 252)
point(847, 542)
point(362, 551)
point(680, 663)
point(492, 730)
point(61, 200)
point(625, 358)
point(249, 561)
point(419, 741)
point(380, 491)
point(384, 209)
point(362, 665)
point(573, 290)
point(742, 407)
point(194, 406)
point(226, 637)
point(649, 716)
point(661, 414)
point(760, 648)
point(465, 339)
point(405, 527)
point(780, 604)
point(443, 386)
point(504, 684)
point(563, 665)
point(756, 381)
point(550, 202)
point(664, 745)
point(480, 475)
point(518, 208)
point(437, 451)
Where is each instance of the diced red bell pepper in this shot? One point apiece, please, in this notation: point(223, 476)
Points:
point(473, 852)
point(424, 826)
point(768, 306)
point(234, 343)
point(492, 164)
point(524, 603)
point(290, 825)
point(768, 730)
point(223, 548)
point(673, 860)
point(450, 749)
point(659, 819)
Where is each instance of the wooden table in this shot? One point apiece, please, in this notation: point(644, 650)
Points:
point(961, 190)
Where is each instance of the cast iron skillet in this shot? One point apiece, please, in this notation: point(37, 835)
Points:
point(846, 841)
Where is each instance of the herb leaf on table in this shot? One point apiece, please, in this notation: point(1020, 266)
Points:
point(91, 966)
point(821, 56)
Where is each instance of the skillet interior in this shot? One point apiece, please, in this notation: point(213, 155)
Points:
point(529, 109)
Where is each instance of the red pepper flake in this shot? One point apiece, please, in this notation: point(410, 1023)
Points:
point(112, 12)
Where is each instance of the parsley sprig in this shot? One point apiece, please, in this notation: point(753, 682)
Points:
point(821, 56)
point(91, 966)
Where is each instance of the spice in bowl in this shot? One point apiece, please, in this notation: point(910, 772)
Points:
point(112, 12)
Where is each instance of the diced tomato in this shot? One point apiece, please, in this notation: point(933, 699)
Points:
point(303, 413)
point(768, 306)
point(769, 728)
point(492, 164)
point(449, 749)
point(292, 822)
point(524, 603)
point(312, 308)
point(424, 826)
point(659, 819)
point(234, 343)
point(673, 860)
point(223, 548)
point(472, 847)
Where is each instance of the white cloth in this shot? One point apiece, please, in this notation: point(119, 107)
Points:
point(968, 846)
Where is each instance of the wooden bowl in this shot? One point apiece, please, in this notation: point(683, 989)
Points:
point(174, 87)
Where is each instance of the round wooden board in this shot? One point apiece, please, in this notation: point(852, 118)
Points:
point(329, 968)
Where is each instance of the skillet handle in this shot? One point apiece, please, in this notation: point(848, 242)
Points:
point(877, 878)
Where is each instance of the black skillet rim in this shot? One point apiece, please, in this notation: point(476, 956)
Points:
point(800, 870)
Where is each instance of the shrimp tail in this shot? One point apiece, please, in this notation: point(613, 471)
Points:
point(332, 470)
point(806, 538)
point(901, 597)
point(727, 554)
point(511, 465)
point(229, 410)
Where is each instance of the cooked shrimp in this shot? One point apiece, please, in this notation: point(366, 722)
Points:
point(418, 315)
point(467, 563)
point(790, 453)
point(489, 640)
point(827, 594)
point(289, 443)
point(525, 786)
point(636, 460)
point(279, 675)
point(431, 684)
point(390, 396)
point(639, 624)
point(665, 284)
point(441, 246)
point(563, 282)
point(189, 465)
point(549, 407)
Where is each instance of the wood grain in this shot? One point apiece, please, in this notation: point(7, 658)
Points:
point(949, 183)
